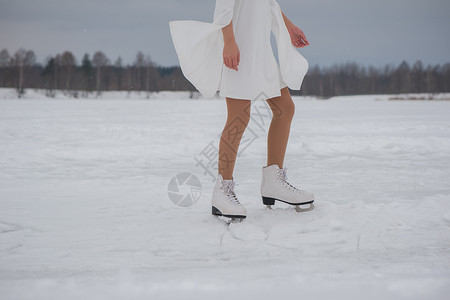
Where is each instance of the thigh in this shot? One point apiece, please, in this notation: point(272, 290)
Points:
point(238, 108)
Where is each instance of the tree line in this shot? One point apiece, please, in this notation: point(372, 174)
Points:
point(98, 73)
point(92, 75)
point(353, 79)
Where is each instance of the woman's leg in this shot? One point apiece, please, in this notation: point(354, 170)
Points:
point(238, 117)
point(283, 109)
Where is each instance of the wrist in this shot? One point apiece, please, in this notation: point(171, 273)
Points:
point(289, 25)
point(229, 41)
point(288, 22)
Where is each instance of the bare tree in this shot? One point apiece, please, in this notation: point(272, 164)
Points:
point(87, 74)
point(99, 61)
point(130, 80)
point(5, 60)
point(150, 72)
point(118, 73)
point(57, 64)
point(139, 63)
point(68, 63)
point(431, 79)
point(49, 76)
point(143, 63)
point(445, 77)
point(18, 60)
point(23, 59)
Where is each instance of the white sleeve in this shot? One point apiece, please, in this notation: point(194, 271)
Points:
point(199, 46)
point(223, 12)
point(293, 66)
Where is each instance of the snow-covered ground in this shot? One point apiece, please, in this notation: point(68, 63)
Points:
point(85, 211)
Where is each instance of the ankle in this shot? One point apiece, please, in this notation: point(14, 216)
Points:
point(280, 166)
point(227, 177)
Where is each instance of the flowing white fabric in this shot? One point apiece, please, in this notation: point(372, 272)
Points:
point(199, 46)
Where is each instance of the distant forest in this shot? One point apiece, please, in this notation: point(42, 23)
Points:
point(98, 73)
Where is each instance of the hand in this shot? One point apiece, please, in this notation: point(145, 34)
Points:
point(298, 38)
point(231, 55)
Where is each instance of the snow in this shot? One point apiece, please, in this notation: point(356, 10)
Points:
point(85, 212)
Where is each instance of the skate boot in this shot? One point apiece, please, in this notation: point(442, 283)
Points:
point(274, 187)
point(224, 201)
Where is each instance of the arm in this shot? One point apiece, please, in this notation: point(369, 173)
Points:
point(287, 21)
point(231, 55)
point(298, 38)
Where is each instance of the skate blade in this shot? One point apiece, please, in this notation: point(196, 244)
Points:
point(269, 202)
point(227, 218)
point(299, 209)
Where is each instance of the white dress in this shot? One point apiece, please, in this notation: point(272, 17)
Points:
point(199, 46)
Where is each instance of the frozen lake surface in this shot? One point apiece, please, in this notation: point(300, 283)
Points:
point(85, 211)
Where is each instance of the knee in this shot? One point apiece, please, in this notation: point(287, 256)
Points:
point(285, 111)
point(238, 112)
point(290, 110)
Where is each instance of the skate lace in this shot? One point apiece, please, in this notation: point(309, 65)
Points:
point(229, 191)
point(282, 175)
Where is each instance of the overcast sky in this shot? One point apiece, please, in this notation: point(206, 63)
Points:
point(368, 32)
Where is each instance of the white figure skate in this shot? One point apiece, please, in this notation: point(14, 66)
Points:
point(274, 187)
point(224, 201)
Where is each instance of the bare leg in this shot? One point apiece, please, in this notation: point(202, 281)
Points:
point(283, 109)
point(238, 117)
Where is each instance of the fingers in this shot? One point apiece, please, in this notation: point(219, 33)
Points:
point(304, 40)
point(229, 62)
point(232, 62)
point(300, 42)
point(235, 63)
point(225, 61)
